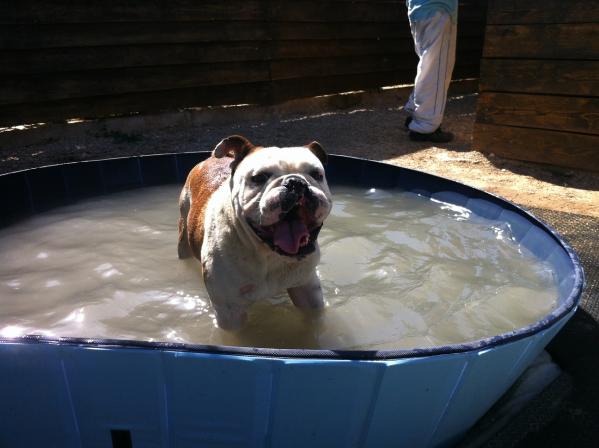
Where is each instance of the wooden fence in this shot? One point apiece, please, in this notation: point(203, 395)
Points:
point(540, 82)
point(62, 59)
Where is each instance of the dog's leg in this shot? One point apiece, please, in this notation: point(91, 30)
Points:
point(230, 317)
point(231, 314)
point(309, 295)
point(183, 248)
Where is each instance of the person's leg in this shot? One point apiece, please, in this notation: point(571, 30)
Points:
point(410, 107)
point(434, 40)
point(449, 64)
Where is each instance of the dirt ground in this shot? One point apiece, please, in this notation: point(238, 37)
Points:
point(366, 125)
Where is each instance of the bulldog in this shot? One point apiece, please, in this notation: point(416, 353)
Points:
point(252, 215)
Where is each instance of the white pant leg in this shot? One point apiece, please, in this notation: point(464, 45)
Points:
point(410, 107)
point(435, 43)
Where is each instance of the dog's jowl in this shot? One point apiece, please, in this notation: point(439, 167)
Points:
point(251, 215)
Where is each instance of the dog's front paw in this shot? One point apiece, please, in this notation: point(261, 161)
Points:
point(308, 296)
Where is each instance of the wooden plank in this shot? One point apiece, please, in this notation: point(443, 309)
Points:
point(344, 30)
point(288, 89)
point(466, 71)
point(471, 29)
point(298, 31)
point(553, 41)
point(102, 57)
point(16, 37)
point(559, 113)
point(94, 58)
point(308, 67)
point(294, 49)
point(512, 12)
point(546, 77)
point(353, 31)
point(284, 49)
point(298, 88)
point(361, 11)
point(132, 103)
point(111, 105)
point(40, 88)
point(79, 35)
point(21, 37)
point(51, 60)
point(94, 11)
point(542, 146)
point(61, 85)
point(334, 11)
point(472, 11)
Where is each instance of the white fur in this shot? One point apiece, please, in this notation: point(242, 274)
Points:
point(239, 268)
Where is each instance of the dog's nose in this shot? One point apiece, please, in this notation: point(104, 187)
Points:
point(295, 184)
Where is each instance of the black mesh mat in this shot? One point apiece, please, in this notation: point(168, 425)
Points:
point(582, 233)
point(566, 413)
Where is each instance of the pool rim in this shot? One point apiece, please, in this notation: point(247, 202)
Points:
point(568, 305)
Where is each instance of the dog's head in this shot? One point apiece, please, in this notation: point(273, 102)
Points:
point(282, 193)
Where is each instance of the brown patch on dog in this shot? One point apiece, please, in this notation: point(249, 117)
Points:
point(203, 180)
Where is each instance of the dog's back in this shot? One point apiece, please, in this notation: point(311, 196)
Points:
point(203, 180)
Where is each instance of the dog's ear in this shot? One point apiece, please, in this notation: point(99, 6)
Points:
point(234, 146)
point(318, 152)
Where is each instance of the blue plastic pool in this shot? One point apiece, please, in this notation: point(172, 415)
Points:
point(70, 392)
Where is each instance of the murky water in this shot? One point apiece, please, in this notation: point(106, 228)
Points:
point(398, 271)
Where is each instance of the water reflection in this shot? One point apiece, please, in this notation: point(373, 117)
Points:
point(398, 271)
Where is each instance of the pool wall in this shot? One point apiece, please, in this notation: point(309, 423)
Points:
point(71, 392)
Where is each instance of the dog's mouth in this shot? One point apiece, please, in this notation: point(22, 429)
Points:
point(294, 235)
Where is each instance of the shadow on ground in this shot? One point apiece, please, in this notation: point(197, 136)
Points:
point(561, 176)
point(373, 130)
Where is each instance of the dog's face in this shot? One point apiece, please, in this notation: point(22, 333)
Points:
point(282, 193)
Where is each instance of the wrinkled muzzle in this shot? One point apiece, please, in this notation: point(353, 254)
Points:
point(291, 216)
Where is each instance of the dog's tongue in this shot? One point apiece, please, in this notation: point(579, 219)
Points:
point(290, 235)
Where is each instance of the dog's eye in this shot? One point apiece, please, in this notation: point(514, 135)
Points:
point(260, 178)
point(317, 175)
